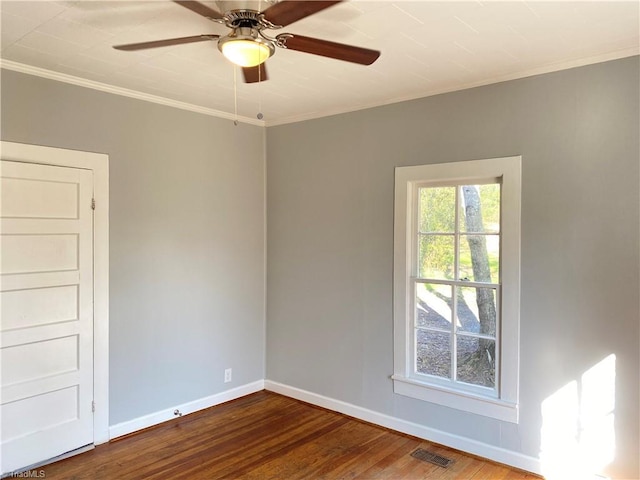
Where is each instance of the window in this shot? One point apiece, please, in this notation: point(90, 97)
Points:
point(457, 285)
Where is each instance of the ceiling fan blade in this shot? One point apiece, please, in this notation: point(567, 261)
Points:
point(288, 11)
point(339, 51)
point(200, 9)
point(255, 74)
point(166, 43)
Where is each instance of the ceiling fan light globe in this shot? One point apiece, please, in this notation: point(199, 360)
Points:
point(245, 53)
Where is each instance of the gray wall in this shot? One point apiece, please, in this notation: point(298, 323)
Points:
point(186, 237)
point(330, 243)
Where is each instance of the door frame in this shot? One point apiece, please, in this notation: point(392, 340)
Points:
point(98, 163)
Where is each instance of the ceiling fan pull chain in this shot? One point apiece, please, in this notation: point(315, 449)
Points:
point(259, 115)
point(235, 94)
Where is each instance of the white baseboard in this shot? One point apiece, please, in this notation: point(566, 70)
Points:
point(464, 444)
point(155, 418)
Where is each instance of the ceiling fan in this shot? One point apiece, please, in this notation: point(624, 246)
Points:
point(248, 45)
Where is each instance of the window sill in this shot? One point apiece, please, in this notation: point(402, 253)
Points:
point(468, 402)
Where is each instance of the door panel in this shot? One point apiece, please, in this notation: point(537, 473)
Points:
point(47, 312)
point(27, 198)
point(38, 306)
point(48, 410)
point(39, 253)
point(45, 358)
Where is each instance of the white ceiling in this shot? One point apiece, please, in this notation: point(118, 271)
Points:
point(427, 47)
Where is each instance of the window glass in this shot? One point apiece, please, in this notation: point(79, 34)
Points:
point(436, 255)
point(433, 353)
point(437, 209)
point(470, 302)
point(476, 361)
point(480, 208)
point(433, 306)
point(479, 259)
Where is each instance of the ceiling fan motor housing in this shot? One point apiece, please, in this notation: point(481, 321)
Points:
point(228, 5)
point(245, 33)
point(242, 18)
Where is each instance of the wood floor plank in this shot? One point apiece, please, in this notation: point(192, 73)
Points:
point(491, 472)
point(385, 462)
point(267, 436)
point(308, 458)
point(465, 466)
point(357, 461)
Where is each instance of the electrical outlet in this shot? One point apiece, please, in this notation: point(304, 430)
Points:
point(227, 375)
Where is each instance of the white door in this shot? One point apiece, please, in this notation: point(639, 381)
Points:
point(46, 294)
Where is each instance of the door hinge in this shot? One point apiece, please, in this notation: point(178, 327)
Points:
point(93, 406)
point(93, 204)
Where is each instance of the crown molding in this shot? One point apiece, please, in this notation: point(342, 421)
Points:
point(554, 67)
point(103, 87)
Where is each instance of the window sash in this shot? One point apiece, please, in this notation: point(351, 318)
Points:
point(458, 233)
point(454, 333)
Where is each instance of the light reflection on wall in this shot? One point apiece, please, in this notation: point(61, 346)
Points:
point(578, 435)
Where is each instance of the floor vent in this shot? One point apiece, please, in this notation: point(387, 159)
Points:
point(430, 457)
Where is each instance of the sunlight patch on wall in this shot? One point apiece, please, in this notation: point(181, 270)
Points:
point(578, 434)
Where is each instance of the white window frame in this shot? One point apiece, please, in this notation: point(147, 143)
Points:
point(501, 403)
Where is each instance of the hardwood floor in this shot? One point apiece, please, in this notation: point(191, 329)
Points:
point(268, 436)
